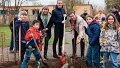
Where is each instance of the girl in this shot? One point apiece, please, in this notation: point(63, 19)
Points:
point(93, 52)
point(109, 41)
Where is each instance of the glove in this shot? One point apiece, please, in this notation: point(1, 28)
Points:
point(78, 39)
point(63, 21)
point(30, 47)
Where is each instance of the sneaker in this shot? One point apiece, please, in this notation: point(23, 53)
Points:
point(11, 51)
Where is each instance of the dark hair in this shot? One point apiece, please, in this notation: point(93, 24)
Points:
point(35, 21)
point(115, 7)
point(89, 16)
point(115, 24)
point(70, 12)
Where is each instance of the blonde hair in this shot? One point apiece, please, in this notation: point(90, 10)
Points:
point(23, 13)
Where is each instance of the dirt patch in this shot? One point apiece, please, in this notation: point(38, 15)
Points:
point(52, 63)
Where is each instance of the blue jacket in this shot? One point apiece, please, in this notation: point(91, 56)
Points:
point(57, 17)
point(93, 32)
point(24, 28)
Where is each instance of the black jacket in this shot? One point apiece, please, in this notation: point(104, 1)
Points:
point(57, 16)
point(116, 13)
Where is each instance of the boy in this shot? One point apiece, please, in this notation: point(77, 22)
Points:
point(21, 25)
point(33, 32)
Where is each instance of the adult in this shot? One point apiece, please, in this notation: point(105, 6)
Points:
point(82, 42)
point(77, 27)
point(57, 19)
point(44, 18)
point(116, 13)
point(11, 43)
point(84, 14)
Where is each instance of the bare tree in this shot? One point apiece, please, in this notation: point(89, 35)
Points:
point(110, 3)
point(71, 3)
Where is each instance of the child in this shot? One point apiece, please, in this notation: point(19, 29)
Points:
point(33, 32)
point(24, 25)
point(93, 52)
point(110, 43)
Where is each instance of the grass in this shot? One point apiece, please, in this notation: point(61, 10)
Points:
point(7, 40)
point(7, 32)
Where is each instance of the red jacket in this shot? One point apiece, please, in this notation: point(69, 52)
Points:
point(36, 35)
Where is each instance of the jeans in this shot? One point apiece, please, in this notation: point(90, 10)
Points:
point(113, 59)
point(93, 57)
point(27, 58)
point(47, 37)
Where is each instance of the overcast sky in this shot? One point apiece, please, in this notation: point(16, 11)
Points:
point(95, 3)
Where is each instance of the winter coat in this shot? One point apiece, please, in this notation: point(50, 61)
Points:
point(116, 13)
point(24, 28)
point(40, 18)
point(36, 34)
point(79, 26)
point(57, 17)
point(93, 32)
point(109, 40)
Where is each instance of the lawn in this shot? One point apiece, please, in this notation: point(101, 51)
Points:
point(7, 32)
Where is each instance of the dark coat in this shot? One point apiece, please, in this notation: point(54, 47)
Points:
point(116, 13)
point(24, 28)
point(57, 17)
point(93, 32)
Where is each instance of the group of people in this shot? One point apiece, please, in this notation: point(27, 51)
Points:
point(103, 35)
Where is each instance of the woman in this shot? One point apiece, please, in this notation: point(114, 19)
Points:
point(109, 41)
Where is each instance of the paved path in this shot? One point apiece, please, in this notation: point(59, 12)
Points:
point(68, 49)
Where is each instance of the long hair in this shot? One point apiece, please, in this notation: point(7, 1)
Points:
point(115, 24)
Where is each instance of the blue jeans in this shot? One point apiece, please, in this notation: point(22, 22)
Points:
point(113, 59)
point(27, 57)
point(93, 56)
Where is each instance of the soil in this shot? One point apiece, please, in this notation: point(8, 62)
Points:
point(52, 63)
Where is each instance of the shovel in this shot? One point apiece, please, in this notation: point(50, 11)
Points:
point(43, 60)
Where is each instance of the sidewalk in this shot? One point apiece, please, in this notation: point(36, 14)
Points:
point(68, 49)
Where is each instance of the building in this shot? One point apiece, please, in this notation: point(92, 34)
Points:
point(34, 10)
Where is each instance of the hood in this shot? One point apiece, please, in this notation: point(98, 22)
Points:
point(93, 22)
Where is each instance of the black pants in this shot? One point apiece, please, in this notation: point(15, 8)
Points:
point(74, 42)
point(47, 37)
point(82, 45)
point(23, 49)
point(58, 35)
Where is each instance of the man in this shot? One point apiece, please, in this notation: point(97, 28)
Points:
point(116, 13)
point(44, 18)
point(57, 19)
point(84, 14)
point(82, 42)
point(11, 43)
point(77, 26)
